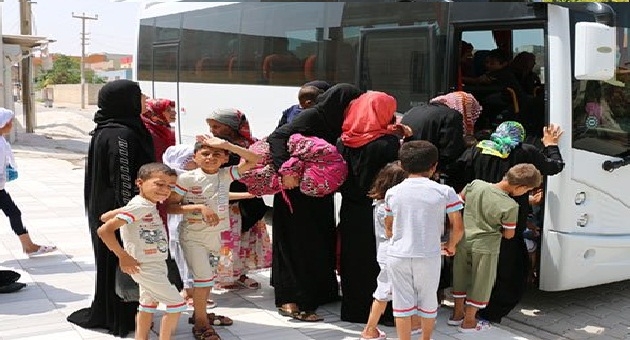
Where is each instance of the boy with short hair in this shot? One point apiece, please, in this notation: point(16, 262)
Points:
point(307, 96)
point(416, 210)
point(489, 214)
point(202, 196)
point(145, 248)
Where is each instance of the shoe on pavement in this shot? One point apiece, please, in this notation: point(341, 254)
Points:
point(42, 250)
point(12, 287)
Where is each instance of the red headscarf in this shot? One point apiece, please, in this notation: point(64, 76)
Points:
point(367, 118)
point(157, 122)
point(156, 111)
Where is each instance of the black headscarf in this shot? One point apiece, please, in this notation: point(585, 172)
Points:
point(119, 104)
point(332, 104)
point(320, 84)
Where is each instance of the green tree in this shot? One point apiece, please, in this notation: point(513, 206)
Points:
point(66, 70)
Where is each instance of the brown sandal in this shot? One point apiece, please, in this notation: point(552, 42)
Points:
point(205, 334)
point(214, 319)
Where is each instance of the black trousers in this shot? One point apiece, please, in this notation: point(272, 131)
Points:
point(13, 213)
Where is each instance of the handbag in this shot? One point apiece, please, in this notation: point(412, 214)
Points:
point(126, 288)
point(11, 173)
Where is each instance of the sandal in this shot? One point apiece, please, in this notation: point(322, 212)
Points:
point(42, 250)
point(286, 312)
point(247, 282)
point(215, 320)
point(307, 316)
point(205, 334)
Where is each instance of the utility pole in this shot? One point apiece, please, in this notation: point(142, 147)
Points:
point(27, 102)
point(84, 40)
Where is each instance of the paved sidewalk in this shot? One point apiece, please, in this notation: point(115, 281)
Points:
point(50, 194)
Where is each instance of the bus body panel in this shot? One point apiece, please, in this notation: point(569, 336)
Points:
point(577, 260)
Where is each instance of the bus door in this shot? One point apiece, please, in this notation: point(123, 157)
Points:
point(400, 61)
point(166, 76)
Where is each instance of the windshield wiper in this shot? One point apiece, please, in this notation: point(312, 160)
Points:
point(610, 166)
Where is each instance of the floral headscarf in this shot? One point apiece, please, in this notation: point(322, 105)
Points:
point(465, 103)
point(156, 111)
point(236, 120)
point(505, 138)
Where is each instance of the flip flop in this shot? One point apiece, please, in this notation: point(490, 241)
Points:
point(482, 325)
point(286, 312)
point(42, 250)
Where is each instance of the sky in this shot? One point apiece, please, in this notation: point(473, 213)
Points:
point(113, 32)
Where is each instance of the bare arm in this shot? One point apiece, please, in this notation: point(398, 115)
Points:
point(250, 157)
point(389, 226)
point(174, 206)
point(456, 223)
point(106, 232)
point(110, 214)
point(509, 233)
point(240, 196)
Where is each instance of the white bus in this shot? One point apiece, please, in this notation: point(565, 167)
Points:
point(255, 55)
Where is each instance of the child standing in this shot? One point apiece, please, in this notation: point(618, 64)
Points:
point(202, 196)
point(180, 158)
point(415, 212)
point(489, 214)
point(145, 248)
point(8, 172)
point(389, 176)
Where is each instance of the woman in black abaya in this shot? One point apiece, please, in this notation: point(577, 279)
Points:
point(120, 144)
point(303, 267)
point(367, 144)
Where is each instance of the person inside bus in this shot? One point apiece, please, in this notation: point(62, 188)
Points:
point(303, 268)
point(367, 145)
point(498, 77)
point(523, 68)
point(120, 144)
point(307, 96)
point(489, 161)
point(246, 245)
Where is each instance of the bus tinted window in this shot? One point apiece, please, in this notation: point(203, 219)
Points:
point(601, 109)
point(286, 43)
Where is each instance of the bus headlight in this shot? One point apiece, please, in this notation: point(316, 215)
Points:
point(582, 220)
point(580, 197)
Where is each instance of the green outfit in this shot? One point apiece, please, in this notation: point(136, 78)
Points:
point(487, 211)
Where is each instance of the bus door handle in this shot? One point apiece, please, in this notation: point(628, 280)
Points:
point(610, 166)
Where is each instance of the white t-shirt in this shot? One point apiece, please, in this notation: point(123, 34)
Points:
point(418, 206)
point(6, 158)
point(212, 190)
point(144, 235)
point(382, 242)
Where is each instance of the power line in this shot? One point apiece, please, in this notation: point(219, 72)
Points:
point(84, 39)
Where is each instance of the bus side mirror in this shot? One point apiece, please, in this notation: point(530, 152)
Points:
point(595, 51)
